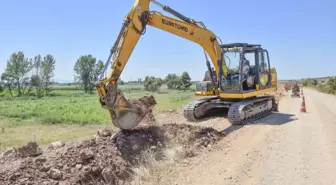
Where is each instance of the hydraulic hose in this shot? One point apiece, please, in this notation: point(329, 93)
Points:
point(173, 12)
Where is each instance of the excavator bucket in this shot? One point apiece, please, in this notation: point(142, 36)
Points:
point(127, 114)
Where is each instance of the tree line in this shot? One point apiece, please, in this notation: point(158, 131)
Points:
point(173, 81)
point(34, 76)
point(327, 86)
point(16, 77)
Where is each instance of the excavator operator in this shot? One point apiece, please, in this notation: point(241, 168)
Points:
point(246, 68)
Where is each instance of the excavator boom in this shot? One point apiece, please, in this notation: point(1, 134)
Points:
point(127, 114)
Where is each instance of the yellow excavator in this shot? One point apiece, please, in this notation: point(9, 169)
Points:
point(241, 80)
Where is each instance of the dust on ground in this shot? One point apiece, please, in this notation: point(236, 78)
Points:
point(106, 158)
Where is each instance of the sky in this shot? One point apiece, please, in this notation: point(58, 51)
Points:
point(299, 35)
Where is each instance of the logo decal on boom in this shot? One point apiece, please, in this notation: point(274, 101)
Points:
point(172, 24)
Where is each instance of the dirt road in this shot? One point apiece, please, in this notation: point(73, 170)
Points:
point(285, 148)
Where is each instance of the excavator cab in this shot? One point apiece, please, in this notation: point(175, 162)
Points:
point(248, 70)
point(248, 66)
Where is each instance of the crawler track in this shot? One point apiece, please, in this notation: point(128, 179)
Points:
point(251, 110)
point(195, 110)
point(238, 113)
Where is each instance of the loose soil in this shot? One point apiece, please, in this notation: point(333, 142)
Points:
point(106, 158)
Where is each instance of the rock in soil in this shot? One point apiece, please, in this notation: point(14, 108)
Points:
point(9, 153)
point(104, 132)
point(55, 174)
point(57, 144)
point(30, 150)
point(86, 154)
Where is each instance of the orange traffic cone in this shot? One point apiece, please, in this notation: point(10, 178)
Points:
point(303, 105)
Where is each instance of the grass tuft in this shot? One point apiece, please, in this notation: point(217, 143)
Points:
point(153, 169)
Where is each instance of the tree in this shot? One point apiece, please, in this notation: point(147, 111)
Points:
point(87, 71)
point(47, 73)
point(331, 85)
point(305, 82)
point(98, 69)
point(309, 82)
point(172, 81)
point(36, 82)
point(36, 79)
point(1, 87)
point(185, 81)
point(15, 75)
point(152, 83)
point(182, 82)
point(8, 82)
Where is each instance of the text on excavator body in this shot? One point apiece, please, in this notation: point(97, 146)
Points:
point(175, 25)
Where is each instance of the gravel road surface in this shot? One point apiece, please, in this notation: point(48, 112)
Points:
point(289, 147)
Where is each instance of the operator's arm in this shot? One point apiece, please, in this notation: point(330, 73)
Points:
point(134, 26)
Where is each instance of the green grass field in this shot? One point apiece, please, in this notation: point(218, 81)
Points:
point(69, 114)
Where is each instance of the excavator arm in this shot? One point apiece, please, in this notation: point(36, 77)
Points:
point(126, 114)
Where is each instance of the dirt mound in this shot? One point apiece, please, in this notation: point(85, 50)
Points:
point(107, 158)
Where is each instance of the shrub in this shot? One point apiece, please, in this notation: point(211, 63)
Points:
point(152, 83)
